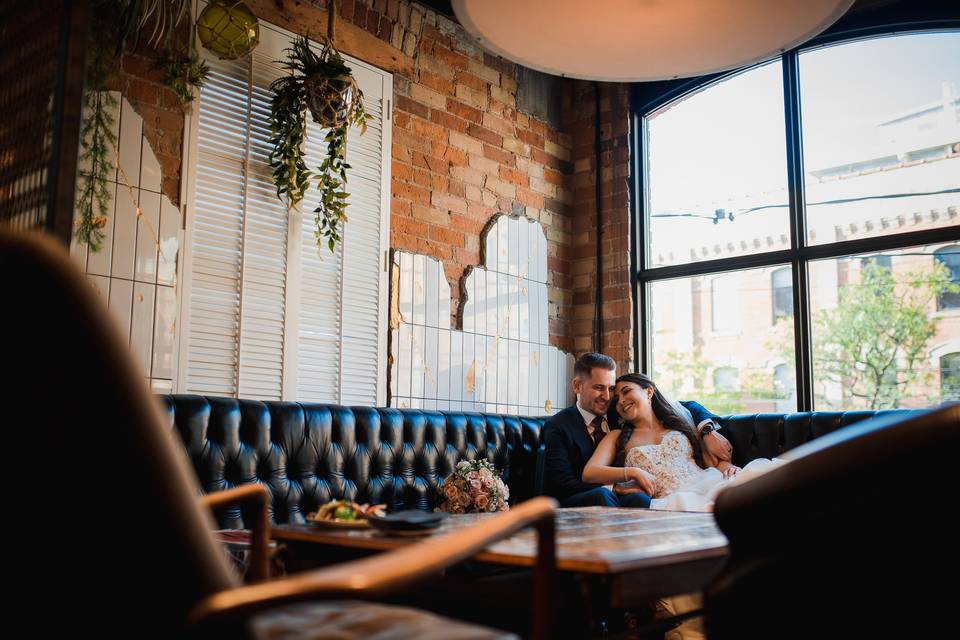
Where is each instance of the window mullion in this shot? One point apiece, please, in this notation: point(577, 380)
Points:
point(798, 231)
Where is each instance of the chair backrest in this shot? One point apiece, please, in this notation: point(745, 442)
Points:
point(127, 548)
point(848, 537)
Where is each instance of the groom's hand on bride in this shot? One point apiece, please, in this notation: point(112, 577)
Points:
point(718, 446)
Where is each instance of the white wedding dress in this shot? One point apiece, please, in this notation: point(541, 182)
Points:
point(681, 484)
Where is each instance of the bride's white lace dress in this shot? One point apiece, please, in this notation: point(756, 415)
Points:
point(681, 484)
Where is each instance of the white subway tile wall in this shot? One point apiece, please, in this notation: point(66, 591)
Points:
point(502, 360)
point(135, 272)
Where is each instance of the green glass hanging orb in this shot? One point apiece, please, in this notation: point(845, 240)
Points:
point(229, 29)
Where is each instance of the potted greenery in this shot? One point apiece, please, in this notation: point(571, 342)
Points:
point(323, 83)
point(116, 27)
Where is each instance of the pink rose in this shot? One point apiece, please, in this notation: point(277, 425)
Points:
point(488, 481)
point(475, 486)
point(481, 501)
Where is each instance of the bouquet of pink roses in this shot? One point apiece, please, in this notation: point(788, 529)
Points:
point(474, 487)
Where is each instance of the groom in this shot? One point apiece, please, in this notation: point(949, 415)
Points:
point(571, 436)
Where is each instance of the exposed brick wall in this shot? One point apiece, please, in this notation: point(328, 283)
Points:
point(579, 109)
point(142, 84)
point(462, 153)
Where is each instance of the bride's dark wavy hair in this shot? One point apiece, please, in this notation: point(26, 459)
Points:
point(664, 412)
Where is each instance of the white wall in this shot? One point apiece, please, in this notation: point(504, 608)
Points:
point(135, 272)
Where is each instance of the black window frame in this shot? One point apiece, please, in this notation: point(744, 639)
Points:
point(647, 98)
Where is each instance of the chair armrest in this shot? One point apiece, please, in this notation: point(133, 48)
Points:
point(259, 531)
point(388, 572)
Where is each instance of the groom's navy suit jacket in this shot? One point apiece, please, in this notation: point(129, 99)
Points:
point(568, 447)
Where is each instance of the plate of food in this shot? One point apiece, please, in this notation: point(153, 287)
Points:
point(345, 514)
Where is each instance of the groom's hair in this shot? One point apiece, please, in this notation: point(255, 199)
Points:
point(589, 361)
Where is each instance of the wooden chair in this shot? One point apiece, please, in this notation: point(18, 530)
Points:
point(114, 539)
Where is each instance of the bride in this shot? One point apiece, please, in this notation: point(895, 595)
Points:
point(660, 453)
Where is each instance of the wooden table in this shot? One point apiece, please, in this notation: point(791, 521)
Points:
point(640, 554)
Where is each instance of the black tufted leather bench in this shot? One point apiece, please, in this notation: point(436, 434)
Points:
point(768, 435)
point(308, 454)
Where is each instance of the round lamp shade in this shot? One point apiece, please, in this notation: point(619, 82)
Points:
point(642, 40)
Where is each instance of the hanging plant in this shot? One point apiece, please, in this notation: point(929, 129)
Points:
point(116, 26)
point(324, 84)
point(96, 140)
point(162, 15)
point(183, 74)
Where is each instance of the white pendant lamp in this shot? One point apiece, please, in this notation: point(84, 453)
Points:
point(642, 40)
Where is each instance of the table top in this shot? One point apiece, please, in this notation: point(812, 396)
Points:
point(600, 540)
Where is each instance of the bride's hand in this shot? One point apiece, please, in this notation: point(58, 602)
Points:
point(728, 470)
point(644, 479)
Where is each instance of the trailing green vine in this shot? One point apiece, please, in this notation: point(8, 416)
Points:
point(96, 140)
point(323, 83)
point(116, 26)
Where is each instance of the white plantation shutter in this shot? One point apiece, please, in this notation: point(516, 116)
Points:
point(267, 314)
point(320, 328)
point(361, 290)
point(217, 232)
point(262, 309)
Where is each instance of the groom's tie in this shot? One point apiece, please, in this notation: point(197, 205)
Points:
point(597, 430)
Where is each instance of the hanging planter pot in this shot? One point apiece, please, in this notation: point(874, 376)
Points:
point(322, 83)
point(331, 100)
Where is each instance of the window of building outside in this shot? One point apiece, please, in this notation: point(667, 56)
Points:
point(781, 282)
point(950, 377)
point(880, 261)
point(726, 379)
point(725, 303)
point(784, 387)
point(949, 257)
point(878, 175)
